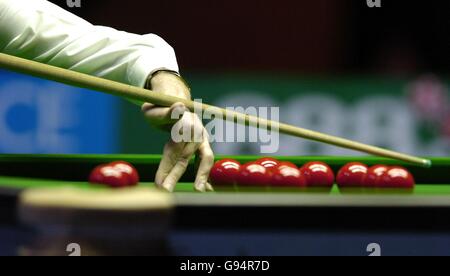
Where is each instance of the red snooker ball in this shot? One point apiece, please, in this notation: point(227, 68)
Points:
point(253, 174)
point(397, 177)
point(318, 174)
point(374, 174)
point(285, 176)
point(287, 164)
point(224, 172)
point(108, 175)
point(96, 176)
point(129, 170)
point(268, 162)
point(352, 175)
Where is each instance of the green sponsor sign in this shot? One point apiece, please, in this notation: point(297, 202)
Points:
point(376, 111)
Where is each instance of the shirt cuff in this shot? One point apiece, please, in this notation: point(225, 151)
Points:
point(148, 64)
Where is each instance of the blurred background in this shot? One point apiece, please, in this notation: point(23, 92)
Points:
point(376, 75)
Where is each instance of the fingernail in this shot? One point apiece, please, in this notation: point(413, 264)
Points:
point(209, 187)
point(200, 188)
point(167, 188)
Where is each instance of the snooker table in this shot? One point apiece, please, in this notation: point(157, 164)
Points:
point(257, 221)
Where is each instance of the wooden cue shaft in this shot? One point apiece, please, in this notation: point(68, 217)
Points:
point(123, 90)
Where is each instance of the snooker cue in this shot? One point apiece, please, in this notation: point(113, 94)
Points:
point(136, 93)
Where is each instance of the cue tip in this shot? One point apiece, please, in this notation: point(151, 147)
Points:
point(427, 163)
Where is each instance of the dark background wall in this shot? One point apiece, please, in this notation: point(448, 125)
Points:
point(320, 36)
point(329, 65)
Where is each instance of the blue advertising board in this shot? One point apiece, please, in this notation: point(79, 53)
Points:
point(40, 116)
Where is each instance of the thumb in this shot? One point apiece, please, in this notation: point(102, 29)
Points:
point(164, 115)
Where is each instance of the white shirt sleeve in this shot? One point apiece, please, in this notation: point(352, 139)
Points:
point(41, 31)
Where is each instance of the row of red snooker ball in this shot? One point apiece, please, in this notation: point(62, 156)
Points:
point(272, 172)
